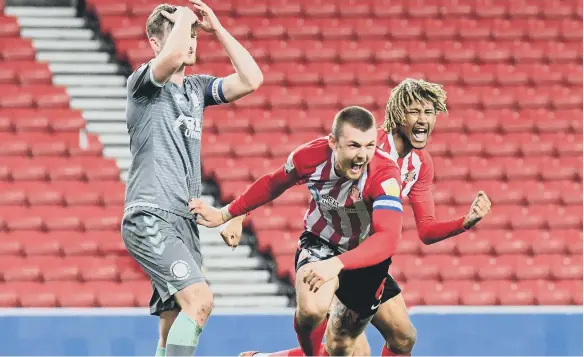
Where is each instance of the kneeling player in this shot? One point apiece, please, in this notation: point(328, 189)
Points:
point(352, 228)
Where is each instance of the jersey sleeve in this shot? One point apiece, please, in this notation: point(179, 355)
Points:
point(421, 191)
point(211, 87)
point(141, 85)
point(384, 188)
point(304, 159)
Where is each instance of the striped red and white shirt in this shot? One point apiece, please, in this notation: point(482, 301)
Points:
point(340, 210)
point(417, 169)
point(417, 176)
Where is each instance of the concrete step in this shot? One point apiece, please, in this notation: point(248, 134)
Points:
point(119, 104)
point(261, 302)
point(58, 33)
point(73, 57)
point(67, 45)
point(82, 68)
point(97, 92)
point(214, 251)
point(57, 22)
point(110, 138)
point(234, 264)
point(50, 12)
point(109, 116)
point(89, 80)
point(242, 277)
point(119, 152)
point(247, 290)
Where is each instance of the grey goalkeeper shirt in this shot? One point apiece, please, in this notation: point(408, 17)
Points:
point(165, 127)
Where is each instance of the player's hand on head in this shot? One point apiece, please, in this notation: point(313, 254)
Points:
point(210, 22)
point(206, 215)
point(231, 234)
point(479, 208)
point(318, 273)
point(172, 17)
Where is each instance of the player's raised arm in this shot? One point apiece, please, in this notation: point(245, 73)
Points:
point(430, 230)
point(170, 54)
point(266, 189)
point(248, 75)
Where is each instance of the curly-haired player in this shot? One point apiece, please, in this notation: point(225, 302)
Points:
point(410, 115)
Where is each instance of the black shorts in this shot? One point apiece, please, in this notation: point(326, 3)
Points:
point(361, 290)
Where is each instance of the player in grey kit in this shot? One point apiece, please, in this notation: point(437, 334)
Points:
point(164, 118)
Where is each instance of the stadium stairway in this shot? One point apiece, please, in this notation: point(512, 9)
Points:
point(80, 60)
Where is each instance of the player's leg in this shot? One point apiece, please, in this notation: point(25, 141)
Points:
point(356, 301)
point(195, 298)
point(311, 307)
point(393, 322)
point(362, 347)
point(344, 327)
point(153, 241)
point(166, 320)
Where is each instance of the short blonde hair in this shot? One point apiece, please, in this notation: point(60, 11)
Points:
point(156, 21)
point(410, 91)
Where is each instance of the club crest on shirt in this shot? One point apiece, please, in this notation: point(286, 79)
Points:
point(409, 177)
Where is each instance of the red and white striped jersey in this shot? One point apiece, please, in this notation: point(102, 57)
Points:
point(340, 209)
point(417, 169)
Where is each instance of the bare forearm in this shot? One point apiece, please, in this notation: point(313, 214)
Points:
point(177, 44)
point(245, 66)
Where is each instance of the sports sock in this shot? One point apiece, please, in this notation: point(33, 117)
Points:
point(387, 352)
point(310, 341)
point(183, 336)
point(160, 352)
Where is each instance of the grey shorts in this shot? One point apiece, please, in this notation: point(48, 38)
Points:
point(167, 247)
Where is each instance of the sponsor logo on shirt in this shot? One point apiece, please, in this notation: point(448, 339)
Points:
point(190, 127)
point(329, 203)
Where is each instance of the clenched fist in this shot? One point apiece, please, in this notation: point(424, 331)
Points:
point(232, 232)
point(478, 209)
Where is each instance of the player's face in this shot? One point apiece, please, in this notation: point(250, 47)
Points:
point(419, 123)
point(190, 57)
point(353, 150)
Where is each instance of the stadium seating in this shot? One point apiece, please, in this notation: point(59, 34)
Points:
point(513, 73)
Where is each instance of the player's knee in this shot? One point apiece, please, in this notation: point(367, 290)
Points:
point(340, 346)
point(166, 320)
point(310, 312)
point(196, 301)
point(403, 343)
point(362, 348)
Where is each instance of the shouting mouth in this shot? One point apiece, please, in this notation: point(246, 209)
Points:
point(356, 167)
point(420, 134)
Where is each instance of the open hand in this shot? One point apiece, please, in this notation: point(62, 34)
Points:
point(210, 21)
point(318, 273)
